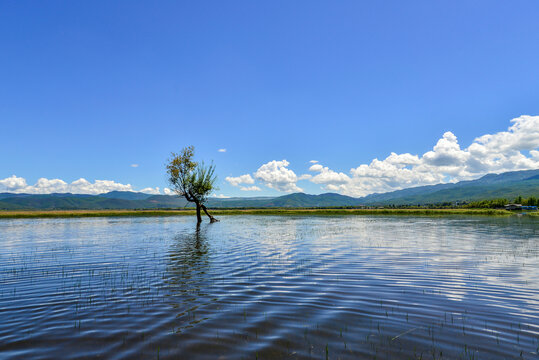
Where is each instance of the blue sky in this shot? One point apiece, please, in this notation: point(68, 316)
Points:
point(89, 88)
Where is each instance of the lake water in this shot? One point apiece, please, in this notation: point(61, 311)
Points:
point(270, 287)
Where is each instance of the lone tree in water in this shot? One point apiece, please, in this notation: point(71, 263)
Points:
point(191, 180)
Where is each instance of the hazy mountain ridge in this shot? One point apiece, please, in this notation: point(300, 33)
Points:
point(126, 195)
point(505, 185)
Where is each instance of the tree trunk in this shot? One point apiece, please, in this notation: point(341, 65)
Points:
point(212, 219)
point(199, 217)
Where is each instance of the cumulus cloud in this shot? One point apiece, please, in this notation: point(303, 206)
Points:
point(222, 150)
point(167, 191)
point(305, 177)
point(12, 184)
point(446, 152)
point(446, 162)
point(16, 184)
point(243, 179)
point(327, 176)
point(276, 175)
point(250, 188)
point(313, 161)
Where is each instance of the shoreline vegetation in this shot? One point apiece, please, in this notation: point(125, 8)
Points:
point(20, 214)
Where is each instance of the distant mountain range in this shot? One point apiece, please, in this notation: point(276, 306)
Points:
point(507, 185)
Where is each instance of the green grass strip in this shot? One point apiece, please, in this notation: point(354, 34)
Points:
point(270, 211)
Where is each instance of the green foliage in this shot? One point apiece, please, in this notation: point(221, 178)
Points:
point(202, 181)
point(190, 179)
point(500, 203)
point(486, 204)
point(180, 167)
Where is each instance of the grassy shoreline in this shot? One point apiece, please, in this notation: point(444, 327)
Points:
point(14, 214)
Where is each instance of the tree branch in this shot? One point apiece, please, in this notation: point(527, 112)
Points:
point(188, 198)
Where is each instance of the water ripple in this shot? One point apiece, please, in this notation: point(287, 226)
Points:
point(270, 287)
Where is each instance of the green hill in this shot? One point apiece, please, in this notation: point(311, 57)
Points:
point(306, 200)
point(506, 185)
point(47, 202)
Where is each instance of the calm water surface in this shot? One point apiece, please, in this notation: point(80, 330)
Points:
point(270, 287)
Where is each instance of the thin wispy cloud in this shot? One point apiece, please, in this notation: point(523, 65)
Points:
point(250, 188)
point(221, 150)
point(134, 165)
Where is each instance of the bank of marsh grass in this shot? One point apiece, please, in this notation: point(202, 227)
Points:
point(267, 211)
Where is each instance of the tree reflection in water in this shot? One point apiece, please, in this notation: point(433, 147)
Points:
point(187, 277)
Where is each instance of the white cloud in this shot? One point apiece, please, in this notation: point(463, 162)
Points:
point(243, 179)
point(305, 177)
point(134, 165)
point(167, 191)
point(221, 196)
point(222, 150)
point(12, 184)
point(446, 162)
point(149, 190)
point(250, 188)
point(313, 161)
point(446, 152)
point(327, 176)
point(402, 160)
point(47, 186)
point(522, 135)
point(276, 175)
